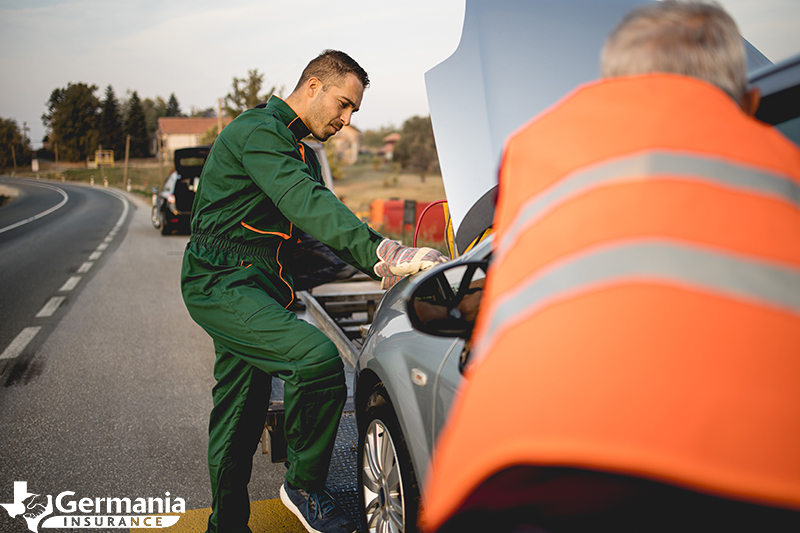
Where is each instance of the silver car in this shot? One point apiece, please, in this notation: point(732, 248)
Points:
point(409, 368)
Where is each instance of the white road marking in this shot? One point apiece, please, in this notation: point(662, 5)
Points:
point(43, 213)
point(20, 343)
point(24, 338)
point(124, 215)
point(50, 307)
point(70, 284)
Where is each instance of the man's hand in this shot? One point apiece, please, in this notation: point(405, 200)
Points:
point(397, 261)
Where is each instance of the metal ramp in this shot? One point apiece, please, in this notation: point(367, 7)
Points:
point(343, 474)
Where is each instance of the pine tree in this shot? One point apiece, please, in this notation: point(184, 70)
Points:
point(110, 134)
point(173, 108)
point(72, 120)
point(135, 127)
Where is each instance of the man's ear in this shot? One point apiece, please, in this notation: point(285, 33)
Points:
point(750, 101)
point(313, 86)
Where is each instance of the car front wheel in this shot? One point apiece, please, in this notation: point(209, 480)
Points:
point(166, 228)
point(388, 491)
point(155, 217)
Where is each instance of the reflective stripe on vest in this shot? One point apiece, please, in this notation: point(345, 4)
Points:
point(652, 261)
point(649, 166)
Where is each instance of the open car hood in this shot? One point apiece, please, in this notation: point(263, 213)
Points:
point(515, 59)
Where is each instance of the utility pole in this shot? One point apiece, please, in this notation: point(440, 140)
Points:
point(14, 157)
point(127, 154)
point(24, 140)
point(160, 141)
point(99, 158)
point(219, 116)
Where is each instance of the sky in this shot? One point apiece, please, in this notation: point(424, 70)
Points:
point(194, 48)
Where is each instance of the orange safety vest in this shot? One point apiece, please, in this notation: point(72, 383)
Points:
point(642, 311)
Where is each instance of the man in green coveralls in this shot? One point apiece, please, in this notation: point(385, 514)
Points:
point(260, 185)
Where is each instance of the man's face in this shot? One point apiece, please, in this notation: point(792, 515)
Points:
point(330, 109)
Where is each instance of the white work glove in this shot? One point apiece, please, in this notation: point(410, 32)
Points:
point(397, 261)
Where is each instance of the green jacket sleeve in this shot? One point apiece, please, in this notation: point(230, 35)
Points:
point(270, 157)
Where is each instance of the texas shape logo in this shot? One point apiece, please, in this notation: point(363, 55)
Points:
point(28, 505)
point(105, 512)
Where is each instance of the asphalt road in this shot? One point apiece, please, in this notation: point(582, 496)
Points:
point(46, 235)
point(114, 394)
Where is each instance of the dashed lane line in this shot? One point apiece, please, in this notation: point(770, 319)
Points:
point(20, 342)
point(70, 284)
point(50, 307)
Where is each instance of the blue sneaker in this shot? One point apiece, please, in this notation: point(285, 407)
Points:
point(317, 511)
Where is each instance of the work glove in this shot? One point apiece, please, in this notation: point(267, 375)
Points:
point(398, 261)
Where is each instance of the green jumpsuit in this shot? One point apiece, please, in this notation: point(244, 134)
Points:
point(260, 182)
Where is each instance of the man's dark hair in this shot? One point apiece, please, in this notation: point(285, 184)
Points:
point(331, 67)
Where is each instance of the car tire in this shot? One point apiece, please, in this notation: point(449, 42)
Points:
point(155, 217)
point(165, 227)
point(388, 492)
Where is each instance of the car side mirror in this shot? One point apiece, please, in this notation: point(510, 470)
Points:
point(446, 300)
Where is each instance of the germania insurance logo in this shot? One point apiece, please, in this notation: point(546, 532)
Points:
point(91, 513)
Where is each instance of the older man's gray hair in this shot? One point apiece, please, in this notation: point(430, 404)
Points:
point(697, 39)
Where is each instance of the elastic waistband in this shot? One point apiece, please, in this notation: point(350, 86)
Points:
point(221, 243)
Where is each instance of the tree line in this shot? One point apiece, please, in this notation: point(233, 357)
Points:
point(416, 149)
point(15, 147)
point(78, 122)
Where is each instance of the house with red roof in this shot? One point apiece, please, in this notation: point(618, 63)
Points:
point(184, 132)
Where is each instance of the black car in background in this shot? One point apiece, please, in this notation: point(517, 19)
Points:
point(172, 205)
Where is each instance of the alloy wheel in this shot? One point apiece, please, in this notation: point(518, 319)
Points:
point(382, 481)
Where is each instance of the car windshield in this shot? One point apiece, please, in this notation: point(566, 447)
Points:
point(456, 275)
point(791, 128)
